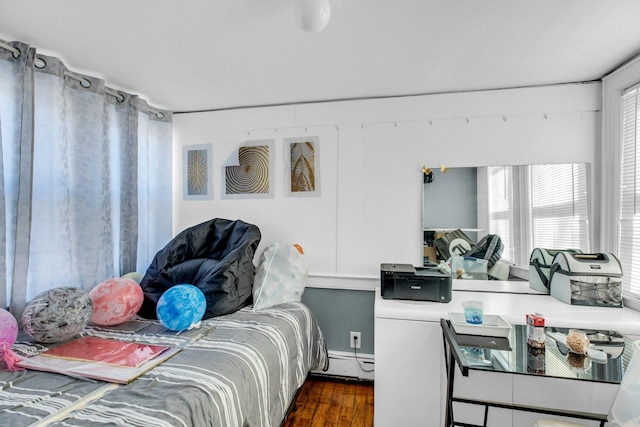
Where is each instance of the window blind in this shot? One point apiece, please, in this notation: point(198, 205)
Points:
point(629, 221)
point(559, 206)
point(539, 206)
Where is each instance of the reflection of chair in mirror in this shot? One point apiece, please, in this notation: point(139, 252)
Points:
point(461, 252)
point(625, 410)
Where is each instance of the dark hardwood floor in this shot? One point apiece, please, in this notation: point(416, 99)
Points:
point(329, 402)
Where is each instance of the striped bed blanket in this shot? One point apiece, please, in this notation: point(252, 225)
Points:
point(244, 370)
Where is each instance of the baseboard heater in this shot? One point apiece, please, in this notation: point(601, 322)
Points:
point(345, 364)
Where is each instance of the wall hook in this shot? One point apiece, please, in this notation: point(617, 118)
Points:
point(427, 175)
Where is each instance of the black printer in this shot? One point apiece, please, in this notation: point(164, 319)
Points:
point(404, 281)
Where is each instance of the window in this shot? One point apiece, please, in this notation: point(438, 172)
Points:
point(629, 192)
point(559, 206)
point(84, 173)
point(501, 208)
point(618, 171)
point(543, 206)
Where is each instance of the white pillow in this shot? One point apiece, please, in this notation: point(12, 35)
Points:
point(281, 275)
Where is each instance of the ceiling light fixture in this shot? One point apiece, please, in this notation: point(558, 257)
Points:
point(312, 15)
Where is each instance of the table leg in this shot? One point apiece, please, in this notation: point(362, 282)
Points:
point(451, 369)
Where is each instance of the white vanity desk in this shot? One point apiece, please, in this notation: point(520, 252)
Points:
point(410, 381)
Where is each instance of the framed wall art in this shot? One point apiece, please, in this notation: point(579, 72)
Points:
point(250, 172)
point(302, 173)
point(197, 167)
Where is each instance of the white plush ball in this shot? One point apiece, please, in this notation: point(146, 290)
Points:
point(57, 315)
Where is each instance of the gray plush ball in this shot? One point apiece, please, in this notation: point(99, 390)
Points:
point(57, 315)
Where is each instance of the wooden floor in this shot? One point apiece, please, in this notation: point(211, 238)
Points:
point(327, 402)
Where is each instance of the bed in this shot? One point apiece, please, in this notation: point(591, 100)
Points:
point(240, 369)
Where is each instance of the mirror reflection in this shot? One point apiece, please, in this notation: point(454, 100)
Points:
point(527, 206)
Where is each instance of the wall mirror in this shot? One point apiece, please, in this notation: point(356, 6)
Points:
point(528, 206)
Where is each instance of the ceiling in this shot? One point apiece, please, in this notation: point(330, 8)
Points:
point(199, 55)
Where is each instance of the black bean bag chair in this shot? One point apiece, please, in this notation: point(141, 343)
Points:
point(215, 256)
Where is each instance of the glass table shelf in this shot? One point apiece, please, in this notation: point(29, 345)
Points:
point(513, 355)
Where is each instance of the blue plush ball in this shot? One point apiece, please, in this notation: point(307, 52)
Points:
point(181, 307)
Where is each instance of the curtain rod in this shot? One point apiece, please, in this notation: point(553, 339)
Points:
point(16, 52)
point(84, 82)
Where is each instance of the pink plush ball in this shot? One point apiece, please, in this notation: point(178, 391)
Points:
point(8, 329)
point(115, 301)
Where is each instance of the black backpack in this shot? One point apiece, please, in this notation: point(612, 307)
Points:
point(490, 248)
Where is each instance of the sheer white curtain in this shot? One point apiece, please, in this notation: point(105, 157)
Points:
point(100, 170)
point(154, 183)
point(502, 209)
point(16, 137)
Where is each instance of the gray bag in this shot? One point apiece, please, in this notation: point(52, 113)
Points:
point(540, 263)
point(586, 279)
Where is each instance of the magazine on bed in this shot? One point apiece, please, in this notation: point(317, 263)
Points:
point(104, 359)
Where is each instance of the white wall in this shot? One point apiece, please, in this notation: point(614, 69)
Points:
point(371, 157)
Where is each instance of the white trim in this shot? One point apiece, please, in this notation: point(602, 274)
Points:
point(631, 303)
point(356, 283)
point(344, 364)
point(609, 168)
point(612, 87)
point(519, 272)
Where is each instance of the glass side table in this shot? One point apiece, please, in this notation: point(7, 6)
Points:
point(512, 355)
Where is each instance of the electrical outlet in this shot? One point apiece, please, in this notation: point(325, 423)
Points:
point(354, 339)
